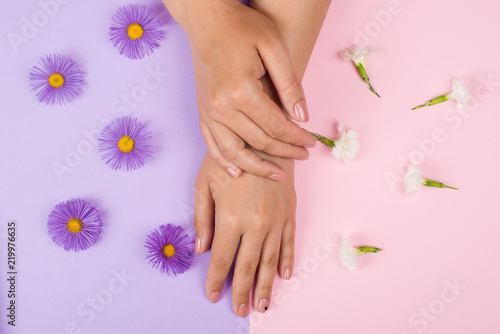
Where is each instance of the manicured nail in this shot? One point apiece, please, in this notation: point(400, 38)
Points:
point(277, 177)
point(197, 247)
point(287, 273)
point(243, 310)
point(300, 111)
point(214, 297)
point(263, 304)
point(232, 171)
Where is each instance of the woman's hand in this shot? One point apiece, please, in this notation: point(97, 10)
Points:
point(255, 212)
point(233, 46)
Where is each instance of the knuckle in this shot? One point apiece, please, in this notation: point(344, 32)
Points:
point(218, 105)
point(289, 239)
point(264, 290)
point(277, 128)
point(240, 94)
point(221, 264)
point(261, 225)
point(260, 142)
point(286, 261)
point(270, 260)
point(240, 295)
point(198, 224)
point(247, 268)
point(228, 153)
point(291, 84)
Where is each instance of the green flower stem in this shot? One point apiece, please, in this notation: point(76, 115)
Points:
point(324, 140)
point(431, 183)
point(364, 76)
point(365, 249)
point(439, 99)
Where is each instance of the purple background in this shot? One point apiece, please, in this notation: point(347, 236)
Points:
point(53, 286)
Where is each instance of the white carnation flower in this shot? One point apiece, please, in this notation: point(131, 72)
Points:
point(458, 92)
point(348, 254)
point(344, 148)
point(347, 146)
point(413, 180)
point(358, 55)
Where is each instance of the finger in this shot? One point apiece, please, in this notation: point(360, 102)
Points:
point(204, 210)
point(267, 271)
point(257, 138)
point(215, 152)
point(224, 247)
point(277, 60)
point(268, 116)
point(287, 250)
point(246, 264)
point(254, 102)
point(233, 150)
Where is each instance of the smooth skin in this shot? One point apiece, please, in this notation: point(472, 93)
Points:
point(256, 212)
point(233, 46)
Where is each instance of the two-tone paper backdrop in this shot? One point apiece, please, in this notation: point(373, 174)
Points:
point(438, 270)
point(56, 290)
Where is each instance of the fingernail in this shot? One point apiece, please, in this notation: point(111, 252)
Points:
point(277, 177)
point(232, 172)
point(243, 310)
point(303, 158)
point(310, 145)
point(214, 297)
point(263, 304)
point(197, 247)
point(287, 273)
point(300, 111)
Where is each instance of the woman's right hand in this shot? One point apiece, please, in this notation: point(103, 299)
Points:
point(233, 47)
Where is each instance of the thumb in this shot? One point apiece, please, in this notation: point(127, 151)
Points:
point(204, 211)
point(277, 60)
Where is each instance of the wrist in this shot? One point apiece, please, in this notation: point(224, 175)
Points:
point(199, 15)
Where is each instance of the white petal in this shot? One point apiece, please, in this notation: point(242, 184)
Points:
point(413, 179)
point(459, 93)
point(347, 146)
point(357, 53)
point(347, 254)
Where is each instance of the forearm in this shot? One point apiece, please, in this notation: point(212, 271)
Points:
point(299, 22)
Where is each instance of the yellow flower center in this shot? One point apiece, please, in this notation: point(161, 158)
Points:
point(169, 250)
point(135, 31)
point(126, 144)
point(74, 225)
point(56, 80)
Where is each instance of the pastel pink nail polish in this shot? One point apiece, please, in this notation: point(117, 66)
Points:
point(232, 171)
point(263, 305)
point(243, 310)
point(198, 246)
point(300, 111)
point(287, 273)
point(277, 177)
point(214, 297)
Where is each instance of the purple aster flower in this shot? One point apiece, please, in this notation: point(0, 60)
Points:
point(171, 249)
point(57, 79)
point(74, 225)
point(124, 143)
point(135, 31)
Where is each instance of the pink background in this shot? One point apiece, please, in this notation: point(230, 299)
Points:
point(434, 237)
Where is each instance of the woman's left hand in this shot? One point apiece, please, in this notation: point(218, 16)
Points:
point(256, 212)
